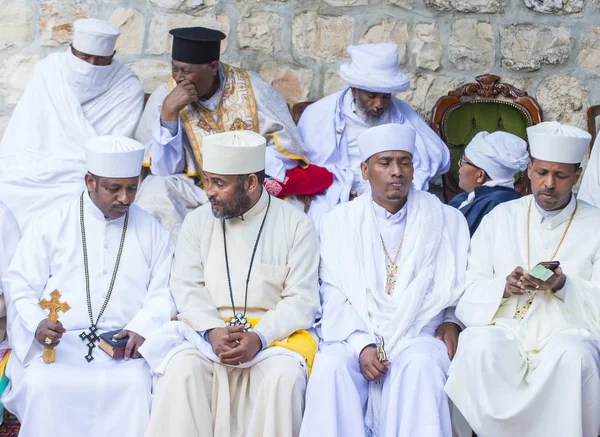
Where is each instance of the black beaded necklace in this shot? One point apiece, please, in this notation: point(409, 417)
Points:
point(240, 318)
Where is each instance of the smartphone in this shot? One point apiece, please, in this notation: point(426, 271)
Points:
point(550, 265)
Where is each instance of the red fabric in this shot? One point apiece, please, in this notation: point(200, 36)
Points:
point(301, 181)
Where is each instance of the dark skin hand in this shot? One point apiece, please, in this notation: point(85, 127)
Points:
point(181, 96)
point(133, 344)
point(448, 333)
point(53, 330)
point(233, 346)
point(519, 281)
point(370, 367)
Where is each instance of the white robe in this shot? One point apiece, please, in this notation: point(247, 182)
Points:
point(539, 376)
point(589, 189)
point(41, 155)
point(9, 238)
point(169, 194)
point(71, 396)
point(327, 137)
point(196, 395)
point(355, 306)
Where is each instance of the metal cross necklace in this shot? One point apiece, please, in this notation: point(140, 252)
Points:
point(239, 319)
point(91, 338)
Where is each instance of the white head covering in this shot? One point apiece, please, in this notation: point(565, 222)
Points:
point(392, 136)
point(556, 142)
point(374, 68)
point(234, 153)
point(113, 156)
point(95, 37)
point(500, 154)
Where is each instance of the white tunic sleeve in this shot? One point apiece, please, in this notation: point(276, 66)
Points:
point(158, 305)
point(23, 285)
point(483, 293)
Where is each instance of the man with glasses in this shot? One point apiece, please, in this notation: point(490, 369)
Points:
point(73, 96)
point(487, 174)
point(203, 97)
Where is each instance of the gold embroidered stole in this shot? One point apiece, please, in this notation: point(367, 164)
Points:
point(236, 111)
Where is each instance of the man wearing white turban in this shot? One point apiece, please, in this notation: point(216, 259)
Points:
point(330, 127)
point(528, 363)
point(244, 280)
point(487, 174)
point(73, 96)
point(392, 267)
point(110, 261)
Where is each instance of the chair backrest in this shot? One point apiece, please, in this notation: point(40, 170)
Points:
point(592, 114)
point(298, 109)
point(488, 105)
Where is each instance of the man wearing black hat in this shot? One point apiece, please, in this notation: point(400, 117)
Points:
point(205, 97)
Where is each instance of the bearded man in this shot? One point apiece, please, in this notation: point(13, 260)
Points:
point(330, 127)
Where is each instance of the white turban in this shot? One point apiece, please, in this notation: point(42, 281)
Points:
point(95, 37)
point(386, 137)
point(500, 154)
point(113, 156)
point(234, 153)
point(556, 142)
point(374, 68)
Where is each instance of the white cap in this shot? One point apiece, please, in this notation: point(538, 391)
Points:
point(234, 153)
point(95, 37)
point(374, 68)
point(113, 156)
point(386, 137)
point(500, 154)
point(556, 142)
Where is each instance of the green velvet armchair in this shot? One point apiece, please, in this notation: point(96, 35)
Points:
point(487, 105)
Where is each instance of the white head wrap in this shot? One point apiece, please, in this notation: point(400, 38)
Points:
point(556, 142)
point(95, 37)
point(500, 154)
point(374, 68)
point(392, 136)
point(113, 156)
point(234, 153)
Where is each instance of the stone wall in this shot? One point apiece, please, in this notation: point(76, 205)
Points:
point(550, 48)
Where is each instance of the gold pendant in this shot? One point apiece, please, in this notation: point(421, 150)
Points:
point(390, 279)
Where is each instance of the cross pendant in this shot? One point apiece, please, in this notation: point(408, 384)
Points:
point(90, 338)
point(390, 279)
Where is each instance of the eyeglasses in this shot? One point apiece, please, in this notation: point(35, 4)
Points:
point(462, 161)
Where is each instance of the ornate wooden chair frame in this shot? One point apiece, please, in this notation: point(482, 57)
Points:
point(487, 89)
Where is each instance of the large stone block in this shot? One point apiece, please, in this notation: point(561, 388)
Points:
point(159, 40)
point(16, 24)
point(425, 90)
point(131, 24)
point(292, 82)
point(260, 31)
point(321, 37)
point(468, 6)
point(555, 6)
point(471, 45)
point(389, 31)
point(426, 47)
point(332, 82)
point(151, 72)
point(589, 53)
point(186, 6)
point(16, 73)
point(347, 2)
point(56, 22)
point(565, 99)
point(528, 47)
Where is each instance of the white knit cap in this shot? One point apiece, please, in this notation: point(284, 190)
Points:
point(500, 154)
point(113, 156)
point(556, 142)
point(374, 68)
point(95, 37)
point(386, 137)
point(234, 153)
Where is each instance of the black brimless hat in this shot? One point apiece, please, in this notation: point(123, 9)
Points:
point(196, 45)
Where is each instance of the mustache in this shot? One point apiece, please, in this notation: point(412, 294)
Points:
point(550, 192)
